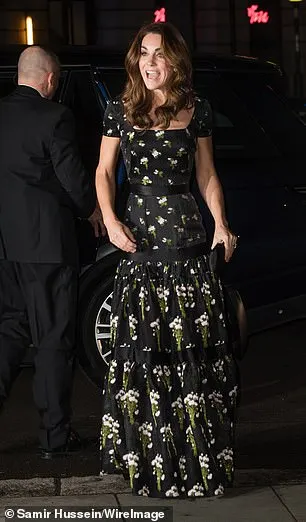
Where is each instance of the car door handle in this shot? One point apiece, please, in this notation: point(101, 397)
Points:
point(301, 189)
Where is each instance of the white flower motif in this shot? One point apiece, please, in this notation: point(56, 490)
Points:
point(233, 393)
point(159, 134)
point(192, 400)
point(219, 490)
point(154, 399)
point(127, 366)
point(146, 428)
point(172, 492)
point(144, 161)
point(155, 153)
point(146, 180)
point(160, 220)
point(144, 491)
point(202, 320)
point(143, 292)
point(176, 324)
point(132, 324)
point(182, 466)
point(132, 396)
point(173, 162)
point(158, 461)
point(155, 324)
point(166, 432)
point(131, 459)
point(162, 201)
point(196, 491)
point(226, 455)
point(130, 135)
point(204, 461)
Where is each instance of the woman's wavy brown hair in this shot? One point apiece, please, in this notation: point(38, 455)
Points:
point(137, 99)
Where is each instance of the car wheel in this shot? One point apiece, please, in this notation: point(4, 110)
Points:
point(94, 319)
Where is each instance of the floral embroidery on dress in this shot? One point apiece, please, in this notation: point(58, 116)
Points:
point(171, 388)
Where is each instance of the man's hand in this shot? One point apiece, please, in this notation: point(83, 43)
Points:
point(96, 221)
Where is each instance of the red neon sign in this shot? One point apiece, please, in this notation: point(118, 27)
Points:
point(160, 15)
point(257, 17)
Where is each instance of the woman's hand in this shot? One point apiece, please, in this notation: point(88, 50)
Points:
point(225, 236)
point(121, 236)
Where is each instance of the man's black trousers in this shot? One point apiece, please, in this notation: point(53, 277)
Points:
point(38, 305)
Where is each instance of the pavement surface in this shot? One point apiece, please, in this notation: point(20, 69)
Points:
point(270, 504)
point(270, 483)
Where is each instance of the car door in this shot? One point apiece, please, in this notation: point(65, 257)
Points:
point(7, 81)
point(269, 262)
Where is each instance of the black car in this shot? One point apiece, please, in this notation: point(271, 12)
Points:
point(260, 153)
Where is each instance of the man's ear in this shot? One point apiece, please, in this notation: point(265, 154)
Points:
point(52, 84)
point(51, 79)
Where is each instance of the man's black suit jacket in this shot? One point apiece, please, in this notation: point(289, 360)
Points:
point(43, 184)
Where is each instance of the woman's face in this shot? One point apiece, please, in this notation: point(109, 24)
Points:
point(154, 68)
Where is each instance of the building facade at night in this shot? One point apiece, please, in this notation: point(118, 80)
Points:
point(259, 28)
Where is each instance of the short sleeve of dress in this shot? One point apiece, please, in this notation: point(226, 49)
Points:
point(111, 122)
point(203, 118)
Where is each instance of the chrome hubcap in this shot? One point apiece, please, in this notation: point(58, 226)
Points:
point(102, 329)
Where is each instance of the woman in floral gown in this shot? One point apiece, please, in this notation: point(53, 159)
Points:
point(169, 394)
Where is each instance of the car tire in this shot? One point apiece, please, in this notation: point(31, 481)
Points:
point(95, 293)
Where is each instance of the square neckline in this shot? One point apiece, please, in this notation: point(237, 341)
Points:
point(169, 130)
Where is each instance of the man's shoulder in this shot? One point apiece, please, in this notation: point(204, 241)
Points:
point(53, 107)
point(38, 103)
point(53, 113)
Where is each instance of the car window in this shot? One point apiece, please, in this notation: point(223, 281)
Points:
point(272, 111)
point(60, 89)
point(82, 98)
point(7, 85)
point(114, 80)
point(235, 132)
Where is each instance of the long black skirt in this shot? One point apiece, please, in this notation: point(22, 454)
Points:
point(170, 391)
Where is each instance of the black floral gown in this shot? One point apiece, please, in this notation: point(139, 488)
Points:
point(170, 390)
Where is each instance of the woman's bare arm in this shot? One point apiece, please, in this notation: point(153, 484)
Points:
point(119, 234)
point(211, 190)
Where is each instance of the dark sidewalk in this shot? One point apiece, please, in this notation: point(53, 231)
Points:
point(271, 431)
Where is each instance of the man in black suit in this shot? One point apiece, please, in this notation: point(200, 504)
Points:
point(43, 187)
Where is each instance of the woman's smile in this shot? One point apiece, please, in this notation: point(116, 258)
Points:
point(154, 68)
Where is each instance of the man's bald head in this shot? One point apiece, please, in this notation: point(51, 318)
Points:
point(37, 68)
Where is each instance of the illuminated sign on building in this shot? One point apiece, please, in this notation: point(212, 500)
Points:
point(160, 15)
point(257, 17)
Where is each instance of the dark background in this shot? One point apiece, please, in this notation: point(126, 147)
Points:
point(210, 26)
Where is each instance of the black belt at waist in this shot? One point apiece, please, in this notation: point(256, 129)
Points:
point(168, 254)
point(145, 190)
